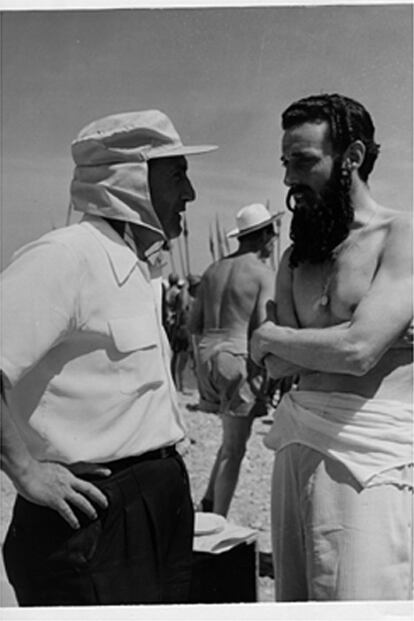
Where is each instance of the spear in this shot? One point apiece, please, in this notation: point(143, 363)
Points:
point(278, 222)
point(226, 242)
point(272, 258)
point(69, 214)
point(278, 234)
point(170, 252)
point(278, 231)
point(211, 244)
point(186, 248)
point(180, 250)
point(220, 248)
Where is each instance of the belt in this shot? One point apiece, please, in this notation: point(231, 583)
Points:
point(120, 464)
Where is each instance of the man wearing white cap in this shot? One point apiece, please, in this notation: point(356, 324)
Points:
point(90, 419)
point(230, 303)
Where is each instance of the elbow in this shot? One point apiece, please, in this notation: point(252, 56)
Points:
point(359, 359)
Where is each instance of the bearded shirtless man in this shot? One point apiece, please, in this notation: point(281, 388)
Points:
point(343, 475)
point(230, 304)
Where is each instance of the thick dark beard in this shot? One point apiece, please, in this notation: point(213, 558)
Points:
point(318, 227)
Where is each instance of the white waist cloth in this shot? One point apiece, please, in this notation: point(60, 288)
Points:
point(369, 436)
point(216, 340)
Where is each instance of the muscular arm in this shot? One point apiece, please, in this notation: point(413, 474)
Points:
point(355, 347)
point(277, 368)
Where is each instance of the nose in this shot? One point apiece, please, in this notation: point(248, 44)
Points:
point(288, 178)
point(189, 193)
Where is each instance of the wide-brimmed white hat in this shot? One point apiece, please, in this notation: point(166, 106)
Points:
point(252, 218)
point(130, 136)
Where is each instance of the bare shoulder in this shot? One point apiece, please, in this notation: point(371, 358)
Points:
point(212, 270)
point(285, 260)
point(399, 232)
point(284, 271)
point(263, 273)
point(268, 279)
point(396, 221)
point(402, 225)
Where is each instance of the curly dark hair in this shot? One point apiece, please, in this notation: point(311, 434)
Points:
point(348, 121)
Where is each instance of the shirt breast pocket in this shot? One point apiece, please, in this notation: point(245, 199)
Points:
point(137, 354)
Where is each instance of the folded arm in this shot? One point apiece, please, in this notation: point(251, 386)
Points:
point(283, 311)
point(355, 347)
point(278, 368)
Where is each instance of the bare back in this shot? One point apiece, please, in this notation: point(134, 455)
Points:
point(369, 282)
point(233, 294)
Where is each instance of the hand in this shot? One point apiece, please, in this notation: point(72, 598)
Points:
point(55, 486)
point(257, 354)
point(259, 342)
point(271, 311)
point(408, 335)
point(277, 368)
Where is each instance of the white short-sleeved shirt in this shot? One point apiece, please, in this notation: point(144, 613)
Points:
point(84, 348)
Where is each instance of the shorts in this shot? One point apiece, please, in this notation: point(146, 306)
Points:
point(232, 384)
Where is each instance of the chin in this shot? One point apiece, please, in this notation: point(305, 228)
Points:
point(174, 233)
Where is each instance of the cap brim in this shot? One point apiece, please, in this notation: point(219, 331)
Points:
point(182, 150)
point(251, 229)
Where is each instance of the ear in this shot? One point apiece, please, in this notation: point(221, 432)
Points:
point(354, 155)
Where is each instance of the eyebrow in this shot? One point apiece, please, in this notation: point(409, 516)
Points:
point(177, 167)
point(307, 155)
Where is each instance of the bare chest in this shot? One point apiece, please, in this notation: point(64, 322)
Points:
point(327, 294)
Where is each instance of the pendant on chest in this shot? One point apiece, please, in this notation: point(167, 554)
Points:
point(322, 303)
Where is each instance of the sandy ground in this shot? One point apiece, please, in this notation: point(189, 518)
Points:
point(251, 503)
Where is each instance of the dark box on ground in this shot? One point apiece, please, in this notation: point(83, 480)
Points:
point(226, 578)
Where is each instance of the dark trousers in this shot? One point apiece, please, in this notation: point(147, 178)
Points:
point(138, 551)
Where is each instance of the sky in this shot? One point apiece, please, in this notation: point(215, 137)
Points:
point(223, 75)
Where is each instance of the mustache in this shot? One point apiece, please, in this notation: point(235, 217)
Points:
point(308, 194)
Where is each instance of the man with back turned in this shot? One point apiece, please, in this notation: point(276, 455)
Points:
point(230, 303)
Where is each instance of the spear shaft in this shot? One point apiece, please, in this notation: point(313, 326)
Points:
point(180, 251)
point(186, 247)
point(211, 244)
point(172, 261)
point(220, 248)
point(68, 214)
point(278, 231)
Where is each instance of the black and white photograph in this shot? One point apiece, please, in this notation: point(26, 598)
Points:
point(206, 293)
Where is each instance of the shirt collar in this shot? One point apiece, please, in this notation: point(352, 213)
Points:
point(122, 258)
